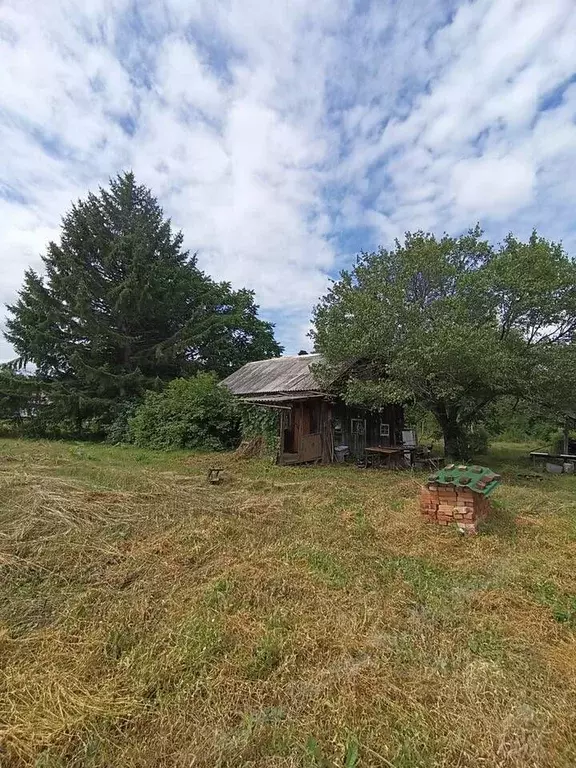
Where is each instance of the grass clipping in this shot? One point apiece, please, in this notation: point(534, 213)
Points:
point(289, 617)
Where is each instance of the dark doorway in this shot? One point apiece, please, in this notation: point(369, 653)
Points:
point(357, 437)
point(288, 434)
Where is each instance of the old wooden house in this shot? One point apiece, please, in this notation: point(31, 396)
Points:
point(315, 423)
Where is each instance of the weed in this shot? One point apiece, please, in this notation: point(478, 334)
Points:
point(219, 594)
point(363, 526)
point(487, 644)
point(315, 755)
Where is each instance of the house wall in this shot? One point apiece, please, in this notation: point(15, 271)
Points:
point(317, 426)
point(347, 434)
point(306, 439)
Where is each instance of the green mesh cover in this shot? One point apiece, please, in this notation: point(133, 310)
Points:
point(478, 479)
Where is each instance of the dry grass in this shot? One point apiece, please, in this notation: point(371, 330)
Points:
point(290, 617)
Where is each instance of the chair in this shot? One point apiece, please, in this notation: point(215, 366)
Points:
point(425, 460)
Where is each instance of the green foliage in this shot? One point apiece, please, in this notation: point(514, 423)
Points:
point(453, 324)
point(562, 605)
point(25, 407)
point(267, 656)
point(19, 395)
point(256, 421)
point(316, 758)
point(118, 431)
point(556, 441)
point(122, 308)
point(477, 440)
point(189, 413)
point(426, 425)
point(325, 566)
point(511, 419)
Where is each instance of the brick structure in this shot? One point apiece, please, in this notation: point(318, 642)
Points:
point(458, 495)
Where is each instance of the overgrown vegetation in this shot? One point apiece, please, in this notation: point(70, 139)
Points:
point(479, 337)
point(261, 422)
point(289, 617)
point(189, 413)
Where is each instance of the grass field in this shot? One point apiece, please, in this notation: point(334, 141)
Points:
point(290, 617)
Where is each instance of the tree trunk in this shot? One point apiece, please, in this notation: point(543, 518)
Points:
point(455, 443)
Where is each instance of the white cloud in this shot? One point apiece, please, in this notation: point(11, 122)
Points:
point(271, 131)
point(471, 147)
point(185, 81)
point(498, 186)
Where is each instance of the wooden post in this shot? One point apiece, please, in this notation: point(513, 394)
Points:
point(566, 434)
point(281, 439)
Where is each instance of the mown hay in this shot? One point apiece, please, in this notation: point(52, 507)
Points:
point(290, 617)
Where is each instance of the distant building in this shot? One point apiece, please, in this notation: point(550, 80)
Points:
point(314, 421)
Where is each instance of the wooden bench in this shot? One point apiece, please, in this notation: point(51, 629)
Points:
point(558, 458)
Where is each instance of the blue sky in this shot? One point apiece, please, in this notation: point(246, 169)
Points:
point(283, 137)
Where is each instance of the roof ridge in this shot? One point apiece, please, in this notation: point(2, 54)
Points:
point(284, 357)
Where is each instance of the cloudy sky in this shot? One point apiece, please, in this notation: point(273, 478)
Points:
point(283, 137)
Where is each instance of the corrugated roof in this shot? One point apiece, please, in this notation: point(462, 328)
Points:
point(282, 397)
point(278, 375)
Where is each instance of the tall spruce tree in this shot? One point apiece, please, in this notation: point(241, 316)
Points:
point(123, 307)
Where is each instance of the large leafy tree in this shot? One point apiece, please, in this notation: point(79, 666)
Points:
point(122, 307)
point(453, 324)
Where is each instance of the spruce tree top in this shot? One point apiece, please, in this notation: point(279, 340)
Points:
point(123, 307)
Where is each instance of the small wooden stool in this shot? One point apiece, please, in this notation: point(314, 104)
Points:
point(214, 476)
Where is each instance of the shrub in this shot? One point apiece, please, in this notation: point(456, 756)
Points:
point(118, 430)
point(189, 413)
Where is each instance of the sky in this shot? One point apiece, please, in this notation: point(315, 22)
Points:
point(284, 137)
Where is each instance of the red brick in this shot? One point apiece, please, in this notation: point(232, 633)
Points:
point(469, 529)
point(446, 504)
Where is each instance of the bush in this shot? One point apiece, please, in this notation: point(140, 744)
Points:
point(189, 413)
point(118, 430)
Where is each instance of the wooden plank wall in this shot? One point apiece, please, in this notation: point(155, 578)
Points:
point(305, 448)
point(391, 414)
point(327, 414)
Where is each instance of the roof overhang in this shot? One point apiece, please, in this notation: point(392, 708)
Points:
point(281, 398)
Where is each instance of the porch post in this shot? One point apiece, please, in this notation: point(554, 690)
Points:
point(281, 438)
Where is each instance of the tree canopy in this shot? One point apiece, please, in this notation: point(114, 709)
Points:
point(122, 307)
point(452, 323)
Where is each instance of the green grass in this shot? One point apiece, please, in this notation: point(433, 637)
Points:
point(292, 616)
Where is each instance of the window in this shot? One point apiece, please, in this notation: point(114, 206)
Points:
point(384, 430)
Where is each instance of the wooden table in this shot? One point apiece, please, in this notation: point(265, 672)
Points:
point(389, 457)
